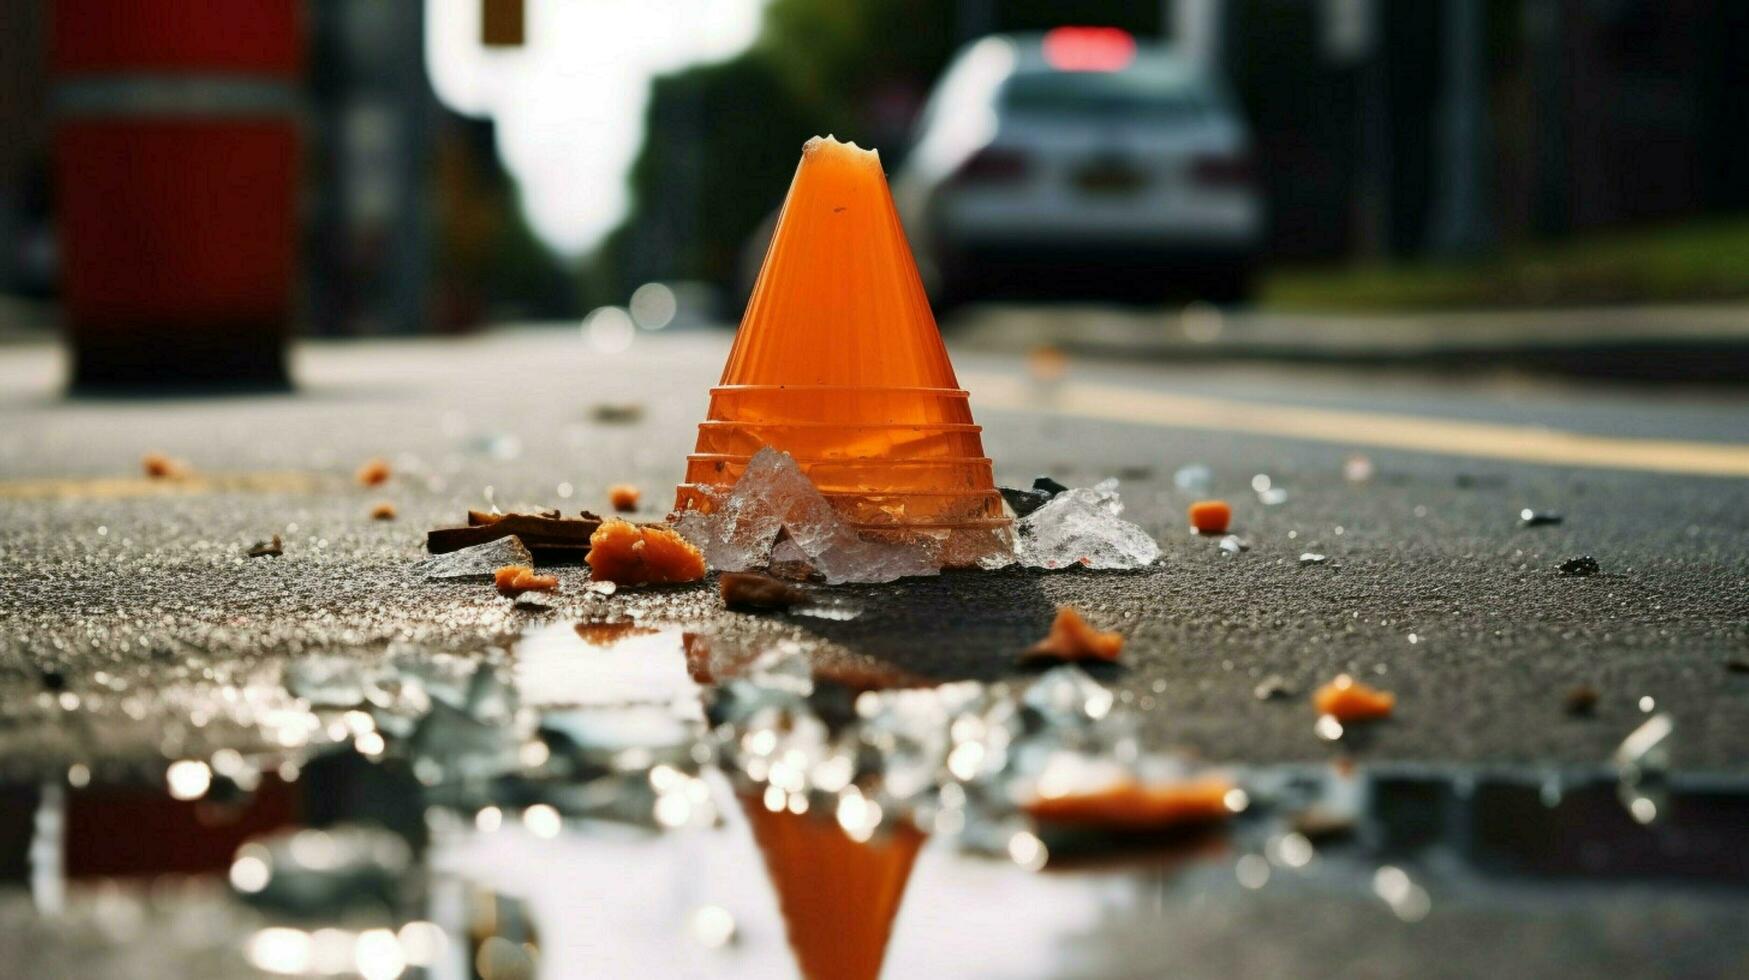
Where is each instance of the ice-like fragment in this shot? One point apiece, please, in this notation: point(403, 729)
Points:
point(478, 562)
point(1083, 527)
point(774, 496)
point(789, 562)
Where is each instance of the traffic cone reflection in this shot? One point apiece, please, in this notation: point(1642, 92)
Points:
point(838, 896)
point(839, 363)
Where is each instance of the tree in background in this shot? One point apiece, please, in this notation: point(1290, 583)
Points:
point(724, 139)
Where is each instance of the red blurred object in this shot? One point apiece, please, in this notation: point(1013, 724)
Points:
point(142, 831)
point(1089, 49)
point(992, 165)
point(176, 170)
point(1224, 171)
point(252, 37)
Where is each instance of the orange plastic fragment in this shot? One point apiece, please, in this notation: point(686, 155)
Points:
point(838, 896)
point(161, 467)
point(630, 554)
point(839, 363)
point(383, 511)
point(1071, 638)
point(1134, 806)
point(1348, 700)
point(517, 579)
point(374, 473)
point(1211, 516)
point(624, 497)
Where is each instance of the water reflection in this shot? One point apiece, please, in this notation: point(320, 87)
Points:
point(838, 895)
point(614, 799)
point(602, 665)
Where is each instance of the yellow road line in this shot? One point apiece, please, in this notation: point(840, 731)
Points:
point(118, 487)
point(1455, 437)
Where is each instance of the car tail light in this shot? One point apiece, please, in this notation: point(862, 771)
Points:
point(1089, 49)
point(1223, 171)
point(992, 165)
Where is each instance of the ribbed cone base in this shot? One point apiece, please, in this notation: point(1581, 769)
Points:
point(843, 405)
point(918, 466)
point(821, 440)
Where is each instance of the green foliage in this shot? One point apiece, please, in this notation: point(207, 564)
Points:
point(1694, 262)
point(724, 140)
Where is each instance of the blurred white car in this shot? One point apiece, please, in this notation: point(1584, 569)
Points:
point(1081, 162)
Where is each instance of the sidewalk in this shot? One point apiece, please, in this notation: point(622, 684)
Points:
point(1676, 343)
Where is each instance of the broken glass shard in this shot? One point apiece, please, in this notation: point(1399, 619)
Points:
point(1082, 527)
point(477, 562)
point(773, 497)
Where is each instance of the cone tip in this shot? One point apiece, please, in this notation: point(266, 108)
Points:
point(844, 148)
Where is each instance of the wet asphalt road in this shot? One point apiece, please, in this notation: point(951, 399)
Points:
point(127, 607)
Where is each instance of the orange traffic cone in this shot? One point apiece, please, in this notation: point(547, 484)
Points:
point(838, 897)
point(838, 362)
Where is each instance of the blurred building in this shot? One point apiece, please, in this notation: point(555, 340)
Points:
point(26, 248)
point(1581, 115)
point(373, 115)
point(1383, 128)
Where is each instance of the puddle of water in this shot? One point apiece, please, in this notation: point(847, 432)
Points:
point(584, 806)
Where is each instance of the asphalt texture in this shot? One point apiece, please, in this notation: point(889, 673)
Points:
point(128, 606)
